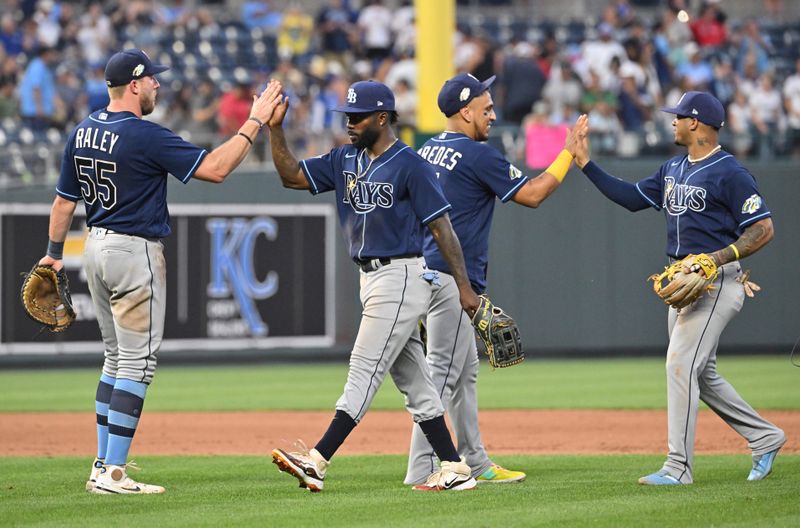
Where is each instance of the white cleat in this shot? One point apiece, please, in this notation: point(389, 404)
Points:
point(454, 476)
point(115, 480)
point(97, 465)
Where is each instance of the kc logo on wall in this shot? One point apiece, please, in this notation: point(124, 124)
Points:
point(238, 276)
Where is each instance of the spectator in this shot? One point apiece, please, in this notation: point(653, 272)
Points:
point(468, 51)
point(10, 35)
point(205, 107)
point(234, 105)
point(48, 30)
point(754, 46)
point(96, 88)
point(563, 89)
point(294, 35)
point(259, 14)
point(597, 54)
point(633, 111)
point(405, 104)
point(95, 35)
point(404, 29)
point(604, 128)
point(71, 102)
point(791, 100)
point(522, 83)
point(696, 70)
point(335, 23)
point(709, 29)
point(37, 91)
point(8, 101)
point(403, 69)
point(375, 22)
point(740, 124)
point(766, 111)
point(543, 140)
point(725, 83)
point(595, 93)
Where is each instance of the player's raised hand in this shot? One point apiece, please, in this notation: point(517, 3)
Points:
point(576, 133)
point(582, 151)
point(280, 112)
point(264, 105)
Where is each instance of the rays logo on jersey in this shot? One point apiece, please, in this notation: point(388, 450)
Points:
point(680, 197)
point(351, 96)
point(751, 205)
point(364, 196)
point(514, 172)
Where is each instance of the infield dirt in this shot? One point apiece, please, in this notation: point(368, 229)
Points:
point(381, 432)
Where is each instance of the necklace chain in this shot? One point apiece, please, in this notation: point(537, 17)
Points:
point(713, 151)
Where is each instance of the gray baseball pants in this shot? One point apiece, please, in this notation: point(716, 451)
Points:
point(127, 277)
point(692, 376)
point(453, 362)
point(393, 297)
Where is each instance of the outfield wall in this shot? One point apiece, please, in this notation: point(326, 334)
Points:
point(572, 272)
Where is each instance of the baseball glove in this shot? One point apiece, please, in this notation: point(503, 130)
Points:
point(684, 288)
point(45, 296)
point(499, 333)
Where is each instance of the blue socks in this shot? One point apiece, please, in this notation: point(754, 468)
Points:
point(125, 408)
point(102, 400)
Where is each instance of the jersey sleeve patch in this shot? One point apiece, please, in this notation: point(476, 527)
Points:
point(751, 205)
point(513, 172)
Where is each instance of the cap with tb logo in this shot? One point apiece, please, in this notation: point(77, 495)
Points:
point(700, 105)
point(125, 66)
point(367, 96)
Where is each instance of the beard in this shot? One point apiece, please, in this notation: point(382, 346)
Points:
point(147, 104)
point(367, 138)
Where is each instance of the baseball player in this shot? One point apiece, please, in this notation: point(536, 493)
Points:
point(118, 165)
point(472, 174)
point(712, 205)
point(385, 195)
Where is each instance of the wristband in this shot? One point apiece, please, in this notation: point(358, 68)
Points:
point(257, 120)
point(735, 250)
point(55, 249)
point(246, 137)
point(560, 166)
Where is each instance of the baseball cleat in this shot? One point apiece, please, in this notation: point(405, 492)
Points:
point(306, 466)
point(762, 465)
point(97, 465)
point(499, 475)
point(659, 478)
point(115, 480)
point(454, 476)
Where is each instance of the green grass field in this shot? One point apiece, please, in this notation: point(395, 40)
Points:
point(367, 490)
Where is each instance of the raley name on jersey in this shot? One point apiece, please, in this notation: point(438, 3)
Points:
point(442, 156)
point(364, 196)
point(97, 139)
point(678, 198)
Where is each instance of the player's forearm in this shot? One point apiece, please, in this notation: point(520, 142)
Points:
point(536, 190)
point(60, 218)
point(285, 162)
point(450, 248)
point(221, 161)
point(754, 238)
point(615, 189)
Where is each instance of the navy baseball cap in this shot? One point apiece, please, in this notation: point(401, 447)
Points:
point(367, 96)
point(459, 91)
point(702, 106)
point(125, 66)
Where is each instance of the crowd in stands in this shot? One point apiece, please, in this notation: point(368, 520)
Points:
point(619, 69)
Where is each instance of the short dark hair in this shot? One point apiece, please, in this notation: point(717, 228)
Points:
point(393, 117)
